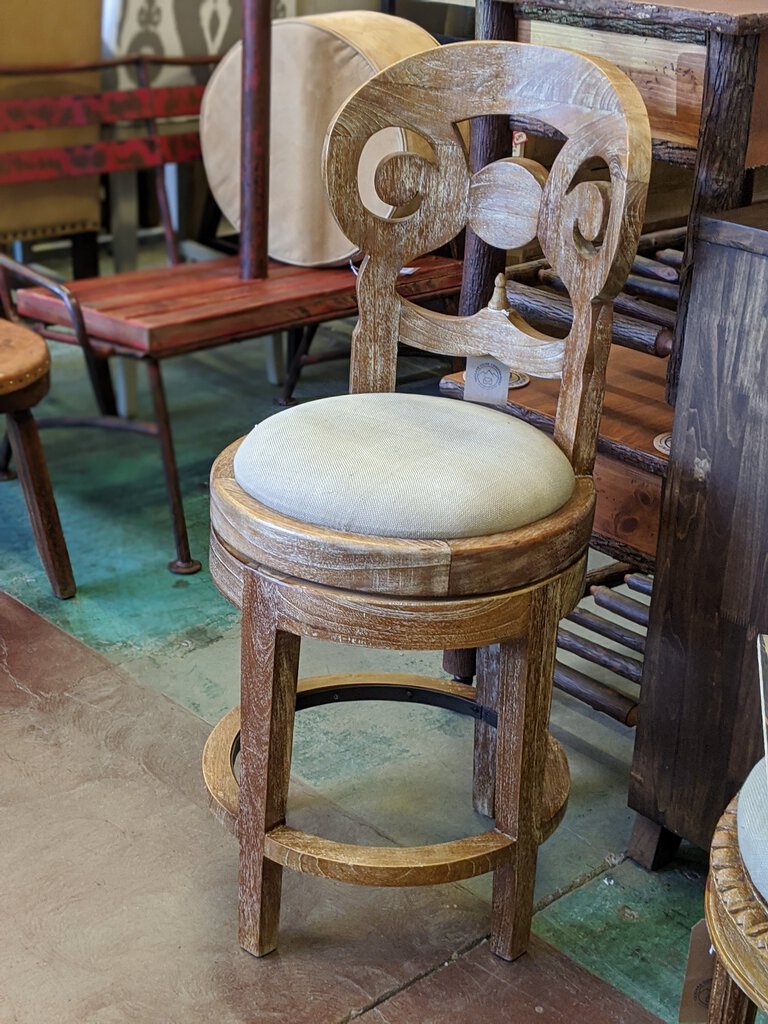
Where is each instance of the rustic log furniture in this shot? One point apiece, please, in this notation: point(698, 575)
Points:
point(24, 380)
point(737, 918)
point(366, 540)
point(697, 66)
point(152, 315)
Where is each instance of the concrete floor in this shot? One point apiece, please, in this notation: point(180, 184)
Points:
point(119, 886)
point(403, 769)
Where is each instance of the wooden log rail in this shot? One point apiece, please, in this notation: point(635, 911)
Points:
point(644, 313)
point(549, 311)
point(601, 694)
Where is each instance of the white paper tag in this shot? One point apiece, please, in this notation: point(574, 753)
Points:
point(487, 380)
point(697, 984)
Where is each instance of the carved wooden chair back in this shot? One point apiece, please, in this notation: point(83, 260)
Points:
point(588, 230)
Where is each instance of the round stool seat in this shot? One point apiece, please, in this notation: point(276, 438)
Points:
point(752, 822)
point(398, 465)
point(24, 357)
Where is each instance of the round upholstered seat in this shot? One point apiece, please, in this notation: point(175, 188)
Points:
point(24, 357)
point(395, 465)
point(752, 822)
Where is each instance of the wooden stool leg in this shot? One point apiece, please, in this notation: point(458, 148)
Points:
point(526, 669)
point(461, 664)
point(727, 1003)
point(484, 765)
point(269, 674)
point(651, 845)
point(6, 473)
point(38, 494)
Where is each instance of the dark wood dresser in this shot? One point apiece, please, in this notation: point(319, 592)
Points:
point(699, 724)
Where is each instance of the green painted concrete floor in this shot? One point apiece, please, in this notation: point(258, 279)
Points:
point(404, 769)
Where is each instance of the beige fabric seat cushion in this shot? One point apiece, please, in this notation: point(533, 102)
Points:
point(398, 465)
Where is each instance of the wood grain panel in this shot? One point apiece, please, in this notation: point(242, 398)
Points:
point(709, 596)
point(628, 505)
point(171, 310)
point(669, 74)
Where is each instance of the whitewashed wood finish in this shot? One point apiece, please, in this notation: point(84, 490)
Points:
point(503, 593)
point(737, 919)
point(245, 532)
point(602, 116)
point(504, 200)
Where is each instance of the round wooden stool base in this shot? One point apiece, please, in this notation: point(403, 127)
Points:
point(737, 918)
point(376, 865)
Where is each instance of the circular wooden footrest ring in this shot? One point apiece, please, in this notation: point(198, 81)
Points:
point(442, 862)
point(388, 865)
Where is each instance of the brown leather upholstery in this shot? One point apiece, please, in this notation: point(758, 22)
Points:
point(24, 357)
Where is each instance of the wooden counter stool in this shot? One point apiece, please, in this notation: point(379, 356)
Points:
point(24, 380)
point(412, 522)
point(737, 905)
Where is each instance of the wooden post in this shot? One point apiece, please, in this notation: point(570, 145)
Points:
point(699, 714)
point(721, 180)
point(490, 140)
point(254, 187)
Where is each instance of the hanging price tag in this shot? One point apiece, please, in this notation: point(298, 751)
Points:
point(698, 977)
point(487, 380)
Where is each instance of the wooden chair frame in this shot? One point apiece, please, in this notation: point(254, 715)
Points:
point(503, 593)
point(139, 138)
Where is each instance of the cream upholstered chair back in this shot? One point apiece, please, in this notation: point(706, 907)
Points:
point(588, 230)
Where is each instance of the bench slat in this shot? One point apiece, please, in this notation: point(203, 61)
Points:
point(223, 307)
point(46, 112)
point(53, 163)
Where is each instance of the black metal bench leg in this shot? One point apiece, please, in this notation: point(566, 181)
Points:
point(297, 351)
point(183, 564)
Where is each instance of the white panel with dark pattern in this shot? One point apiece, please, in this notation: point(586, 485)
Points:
point(170, 27)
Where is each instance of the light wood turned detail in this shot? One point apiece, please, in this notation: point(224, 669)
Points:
point(737, 918)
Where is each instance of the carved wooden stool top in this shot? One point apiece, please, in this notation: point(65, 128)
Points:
point(24, 357)
point(737, 916)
